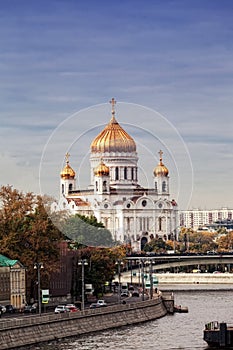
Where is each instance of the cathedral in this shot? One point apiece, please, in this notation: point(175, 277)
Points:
point(132, 213)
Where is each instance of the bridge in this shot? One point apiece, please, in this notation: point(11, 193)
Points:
point(167, 261)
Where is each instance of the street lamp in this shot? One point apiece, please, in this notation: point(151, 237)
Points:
point(38, 266)
point(83, 262)
point(119, 263)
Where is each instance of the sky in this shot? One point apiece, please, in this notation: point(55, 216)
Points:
point(169, 65)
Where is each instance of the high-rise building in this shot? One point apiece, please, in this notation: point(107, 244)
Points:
point(197, 218)
point(131, 212)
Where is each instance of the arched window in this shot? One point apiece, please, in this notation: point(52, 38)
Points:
point(62, 188)
point(132, 174)
point(70, 187)
point(156, 186)
point(117, 173)
point(164, 186)
point(96, 186)
point(105, 186)
point(125, 173)
point(160, 224)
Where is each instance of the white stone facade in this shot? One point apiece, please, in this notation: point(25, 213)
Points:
point(132, 213)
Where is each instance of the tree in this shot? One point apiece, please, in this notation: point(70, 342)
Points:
point(27, 233)
point(87, 231)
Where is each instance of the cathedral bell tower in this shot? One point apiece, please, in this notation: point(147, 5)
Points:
point(67, 182)
point(161, 181)
point(101, 179)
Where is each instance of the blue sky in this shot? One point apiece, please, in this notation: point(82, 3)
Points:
point(174, 57)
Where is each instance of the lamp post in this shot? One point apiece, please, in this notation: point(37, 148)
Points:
point(83, 262)
point(38, 266)
point(119, 263)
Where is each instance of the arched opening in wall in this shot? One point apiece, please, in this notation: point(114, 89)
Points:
point(144, 240)
point(70, 187)
point(164, 187)
point(125, 173)
point(117, 173)
point(132, 174)
point(96, 186)
point(105, 186)
point(156, 186)
point(160, 224)
point(62, 188)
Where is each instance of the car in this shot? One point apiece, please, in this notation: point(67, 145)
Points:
point(10, 309)
point(61, 309)
point(30, 309)
point(3, 309)
point(101, 302)
point(94, 306)
point(72, 308)
point(135, 294)
point(125, 294)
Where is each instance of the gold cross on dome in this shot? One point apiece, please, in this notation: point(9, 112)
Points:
point(160, 154)
point(67, 157)
point(113, 102)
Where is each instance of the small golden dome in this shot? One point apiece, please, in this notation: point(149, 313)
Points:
point(67, 172)
point(101, 169)
point(161, 169)
point(113, 138)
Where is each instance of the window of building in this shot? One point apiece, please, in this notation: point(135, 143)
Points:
point(164, 186)
point(70, 187)
point(62, 188)
point(117, 173)
point(125, 173)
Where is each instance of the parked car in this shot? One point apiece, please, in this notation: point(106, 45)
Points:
point(125, 294)
point(29, 309)
point(135, 294)
point(101, 302)
point(72, 308)
point(61, 309)
point(10, 309)
point(2, 309)
point(94, 306)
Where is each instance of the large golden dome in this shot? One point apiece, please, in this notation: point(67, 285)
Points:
point(67, 172)
point(113, 138)
point(161, 169)
point(101, 169)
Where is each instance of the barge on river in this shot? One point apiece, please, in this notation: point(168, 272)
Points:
point(219, 335)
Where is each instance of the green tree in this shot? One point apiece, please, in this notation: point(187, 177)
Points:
point(86, 231)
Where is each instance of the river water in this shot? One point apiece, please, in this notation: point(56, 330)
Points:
point(178, 331)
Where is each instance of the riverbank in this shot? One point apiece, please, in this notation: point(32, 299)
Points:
point(184, 278)
point(19, 332)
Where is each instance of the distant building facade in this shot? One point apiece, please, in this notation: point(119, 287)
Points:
point(12, 282)
point(197, 218)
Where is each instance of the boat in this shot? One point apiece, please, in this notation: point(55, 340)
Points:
point(219, 335)
point(179, 308)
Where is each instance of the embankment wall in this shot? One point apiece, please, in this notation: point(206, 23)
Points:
point(18, 332)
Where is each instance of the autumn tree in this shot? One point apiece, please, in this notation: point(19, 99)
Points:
point(27, 233)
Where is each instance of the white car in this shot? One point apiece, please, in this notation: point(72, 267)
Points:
point(101, 302)
point(3, 309)
point(61, 309)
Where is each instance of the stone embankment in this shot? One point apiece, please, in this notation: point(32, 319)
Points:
point(18, 332)
point(186, 278)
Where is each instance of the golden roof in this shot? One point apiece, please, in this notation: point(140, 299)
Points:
point(67, 172)
point(161, 169)
point(101, 169)
point(113, 138)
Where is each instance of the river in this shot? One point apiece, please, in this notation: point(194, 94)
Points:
point(173, 332)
